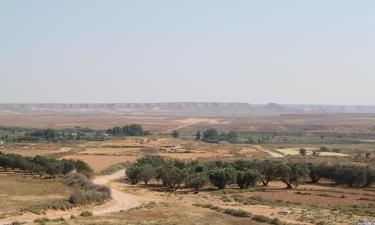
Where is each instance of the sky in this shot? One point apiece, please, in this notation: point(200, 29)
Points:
point(89, 51)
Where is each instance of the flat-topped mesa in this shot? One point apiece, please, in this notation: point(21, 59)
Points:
point(179, 109)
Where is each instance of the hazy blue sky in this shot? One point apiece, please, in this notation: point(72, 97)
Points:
point(317, 51)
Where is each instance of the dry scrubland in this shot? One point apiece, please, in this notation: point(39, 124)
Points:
point(322, 204)
point(162, 213)
point(19, 192)
point(308, 204)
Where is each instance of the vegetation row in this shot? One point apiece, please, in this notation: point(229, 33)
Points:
point(42, 165)
point(175, 173)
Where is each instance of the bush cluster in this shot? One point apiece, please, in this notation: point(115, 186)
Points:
point(128, 130)
point(41, 165)
point(175, 173)
point(213, 136)
point(86, 213)
point(87, 192)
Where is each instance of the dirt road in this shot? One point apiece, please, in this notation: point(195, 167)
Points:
point(120, 201)
point(272, 153)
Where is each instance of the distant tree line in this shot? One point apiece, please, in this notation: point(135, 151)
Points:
point(50, 135)
point(174, 174)
point(128, 130)
point(213, 136)
point(40, 165)
point(14, 134)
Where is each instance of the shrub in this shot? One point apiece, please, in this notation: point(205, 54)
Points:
point(41, 220)
point(237, 212)
point(91, 193)
point(265, 219)
point(276, 221)
point(302, 151)
point(86, 213)
point(61, 219)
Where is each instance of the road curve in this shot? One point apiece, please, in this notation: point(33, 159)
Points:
point(120, 201)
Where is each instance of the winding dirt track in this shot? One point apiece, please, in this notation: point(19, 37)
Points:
point(120, 201)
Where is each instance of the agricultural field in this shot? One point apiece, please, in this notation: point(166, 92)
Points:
point(33, 149)
point(100, 155)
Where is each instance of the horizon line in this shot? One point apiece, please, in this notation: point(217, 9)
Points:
point(171, 102)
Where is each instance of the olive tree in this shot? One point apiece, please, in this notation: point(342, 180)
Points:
point(247, 178)
point(292, 173)
point(221, 177)
point(196, 181)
